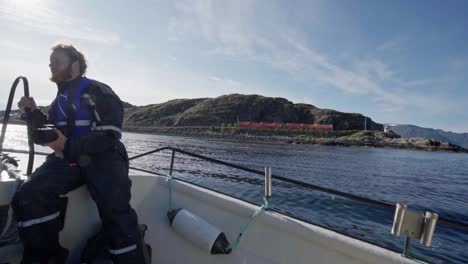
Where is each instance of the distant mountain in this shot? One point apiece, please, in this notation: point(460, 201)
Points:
point(227, 109)
point(460, 139)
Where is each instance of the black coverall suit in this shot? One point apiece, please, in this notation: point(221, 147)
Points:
point(97, 159)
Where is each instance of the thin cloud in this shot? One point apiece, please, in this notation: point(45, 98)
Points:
point(423, 82)
point(11, 45)
point(229, 86)
point(43, 20)
point(374, 68)
point(214, 78)
point(279, 47)
point(163, 84)
point(37, 75)
point(393, 45)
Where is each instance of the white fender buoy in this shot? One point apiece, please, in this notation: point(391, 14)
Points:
point(198, 231)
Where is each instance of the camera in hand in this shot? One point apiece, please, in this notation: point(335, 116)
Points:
point(44, 135)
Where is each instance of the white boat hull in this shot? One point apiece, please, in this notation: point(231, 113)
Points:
point(271, 238)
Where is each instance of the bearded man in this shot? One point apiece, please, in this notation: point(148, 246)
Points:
point(88, 117)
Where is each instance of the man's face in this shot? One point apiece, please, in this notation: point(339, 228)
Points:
point(60, 66)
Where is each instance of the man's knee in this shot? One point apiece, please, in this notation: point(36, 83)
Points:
point(25, 197)
point(32, 201)
point(113, 203)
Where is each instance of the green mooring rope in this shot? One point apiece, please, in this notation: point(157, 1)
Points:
point(257, 212)
point(243, 228)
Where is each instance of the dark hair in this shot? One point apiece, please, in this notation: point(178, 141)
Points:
point(73, 54)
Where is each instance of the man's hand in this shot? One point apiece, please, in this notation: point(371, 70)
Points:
point(27, 103)
point(59, 144)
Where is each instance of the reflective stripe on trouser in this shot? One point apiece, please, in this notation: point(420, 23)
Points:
point(38, 220)
point(123, 250)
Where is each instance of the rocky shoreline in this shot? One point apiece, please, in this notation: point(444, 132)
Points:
point(377, 139)
point(348, 138)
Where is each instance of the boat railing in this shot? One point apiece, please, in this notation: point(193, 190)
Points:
point(382, 204)
point(379, 203)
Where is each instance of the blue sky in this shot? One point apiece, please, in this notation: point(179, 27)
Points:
point(394, 61)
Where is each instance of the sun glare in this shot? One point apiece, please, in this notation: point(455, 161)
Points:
point(22, 10)
point(23, 5)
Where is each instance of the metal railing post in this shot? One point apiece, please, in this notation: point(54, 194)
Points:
point(406, 249)
point(267, 182)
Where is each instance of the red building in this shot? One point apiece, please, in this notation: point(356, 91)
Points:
point(287, 126)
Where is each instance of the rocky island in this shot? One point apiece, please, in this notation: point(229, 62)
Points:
point(218, 117)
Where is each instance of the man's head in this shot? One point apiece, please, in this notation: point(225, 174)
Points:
point(66, 63)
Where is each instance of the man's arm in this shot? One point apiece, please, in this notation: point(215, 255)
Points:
point(35, 117)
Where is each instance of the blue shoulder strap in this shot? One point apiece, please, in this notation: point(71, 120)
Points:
point(73, 101)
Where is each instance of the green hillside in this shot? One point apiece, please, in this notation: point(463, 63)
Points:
point(227, 109)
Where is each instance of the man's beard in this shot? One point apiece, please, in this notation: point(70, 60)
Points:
point(62, 76)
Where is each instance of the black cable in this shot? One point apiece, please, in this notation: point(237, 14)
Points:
point(453, 223)
point(148, 153)
point(6, 117)
point(384, 204)
point(296, 182)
